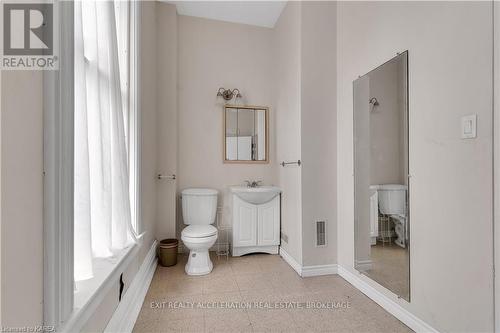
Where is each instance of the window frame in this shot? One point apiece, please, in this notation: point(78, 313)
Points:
point(135, 135)
point(59, 310)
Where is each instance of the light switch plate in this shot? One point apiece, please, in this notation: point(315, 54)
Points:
point(469, 126)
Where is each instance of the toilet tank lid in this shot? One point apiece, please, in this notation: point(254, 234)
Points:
point(389, 187)
point(199, 191)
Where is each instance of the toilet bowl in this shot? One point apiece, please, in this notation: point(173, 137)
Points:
point(199, 208)
point(392, 202)
point(400, 228)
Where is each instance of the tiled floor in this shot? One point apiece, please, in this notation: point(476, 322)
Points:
point(238, 295)
point(390, 268)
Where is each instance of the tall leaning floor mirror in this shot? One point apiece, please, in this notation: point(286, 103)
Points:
point(381, 200)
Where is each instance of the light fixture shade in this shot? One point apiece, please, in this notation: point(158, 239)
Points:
point(228, 94)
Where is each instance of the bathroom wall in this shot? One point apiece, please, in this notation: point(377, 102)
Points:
point(496, 144)
point(318, 104)
point(213, 54)
point(1, 278)
point(287, 62)
point(21, 176)
point(386, 126)
point(166, 122)
point(450, 75)
point(306, 113)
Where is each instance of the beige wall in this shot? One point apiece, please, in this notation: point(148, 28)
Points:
point(496, 98)
point(305, 74)
point(213, 54)
point(386, 129)
point(1, 279)
point(167, 123)
point(290, 67)
point(149, 140)
point(318, 104)
point(22, 198)
point(287, 41)
point(450, 75)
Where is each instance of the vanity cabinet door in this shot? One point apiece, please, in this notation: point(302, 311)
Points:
point(245, 226)
point(268, 223)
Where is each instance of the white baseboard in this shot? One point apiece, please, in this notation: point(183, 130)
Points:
point(318, 270)
point(125, 315)
point(388, 304)
point(363, 265)
point(291, 261)
point(308, 271)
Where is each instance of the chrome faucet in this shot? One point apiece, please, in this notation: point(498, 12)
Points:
point(253, 183)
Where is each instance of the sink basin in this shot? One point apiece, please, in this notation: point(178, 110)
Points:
point(256, 195)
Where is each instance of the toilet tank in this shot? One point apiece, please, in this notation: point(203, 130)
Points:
point(391, 198)
point(199, 205)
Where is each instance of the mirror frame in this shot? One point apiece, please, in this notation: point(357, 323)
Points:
point(247, 107)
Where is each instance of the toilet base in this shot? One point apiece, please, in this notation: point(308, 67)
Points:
point(199, 263)
point(400, 242)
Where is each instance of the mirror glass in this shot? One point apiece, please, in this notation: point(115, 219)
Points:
point(381, 200)
point(245, 134)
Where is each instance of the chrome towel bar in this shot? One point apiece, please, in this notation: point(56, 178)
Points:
point(283, 164)
point(160, 176)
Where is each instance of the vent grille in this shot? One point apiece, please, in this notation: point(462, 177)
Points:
point(320, 233)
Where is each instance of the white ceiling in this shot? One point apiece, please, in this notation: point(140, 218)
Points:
point(259, 13)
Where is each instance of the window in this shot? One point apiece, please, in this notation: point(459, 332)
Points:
point(105, 220)
point(91, 154)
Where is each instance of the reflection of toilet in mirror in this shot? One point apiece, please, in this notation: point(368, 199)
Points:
point(390, 201)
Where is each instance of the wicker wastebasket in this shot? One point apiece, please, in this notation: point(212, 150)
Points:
point(167, 252)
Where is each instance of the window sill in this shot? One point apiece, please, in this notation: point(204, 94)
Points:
point(90, 293)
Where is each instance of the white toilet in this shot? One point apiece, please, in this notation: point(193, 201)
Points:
point(392, 202)
point(199, 209)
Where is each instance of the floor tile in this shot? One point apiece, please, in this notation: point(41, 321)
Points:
point(184, 307)
point(219, 284)
point(185, 286)
point(235, 322)
point(258, 293)
point(258, 281)
point(223, 303)
point(244, 266)
point(147, 322)
point(271, 320)
point(182, 325)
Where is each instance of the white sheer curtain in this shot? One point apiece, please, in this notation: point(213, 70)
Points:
point(102, 221)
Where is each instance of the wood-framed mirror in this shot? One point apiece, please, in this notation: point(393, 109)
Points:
point(246, 134)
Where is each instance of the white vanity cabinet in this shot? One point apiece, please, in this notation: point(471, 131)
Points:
point(256, 227)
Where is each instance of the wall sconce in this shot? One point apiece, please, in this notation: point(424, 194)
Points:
point(373, 102)
point(228, 94)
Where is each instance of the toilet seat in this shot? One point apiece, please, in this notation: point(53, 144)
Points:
point(399, 217)
point(199, 231)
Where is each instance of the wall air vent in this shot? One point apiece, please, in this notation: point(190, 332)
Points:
point(320, 233)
